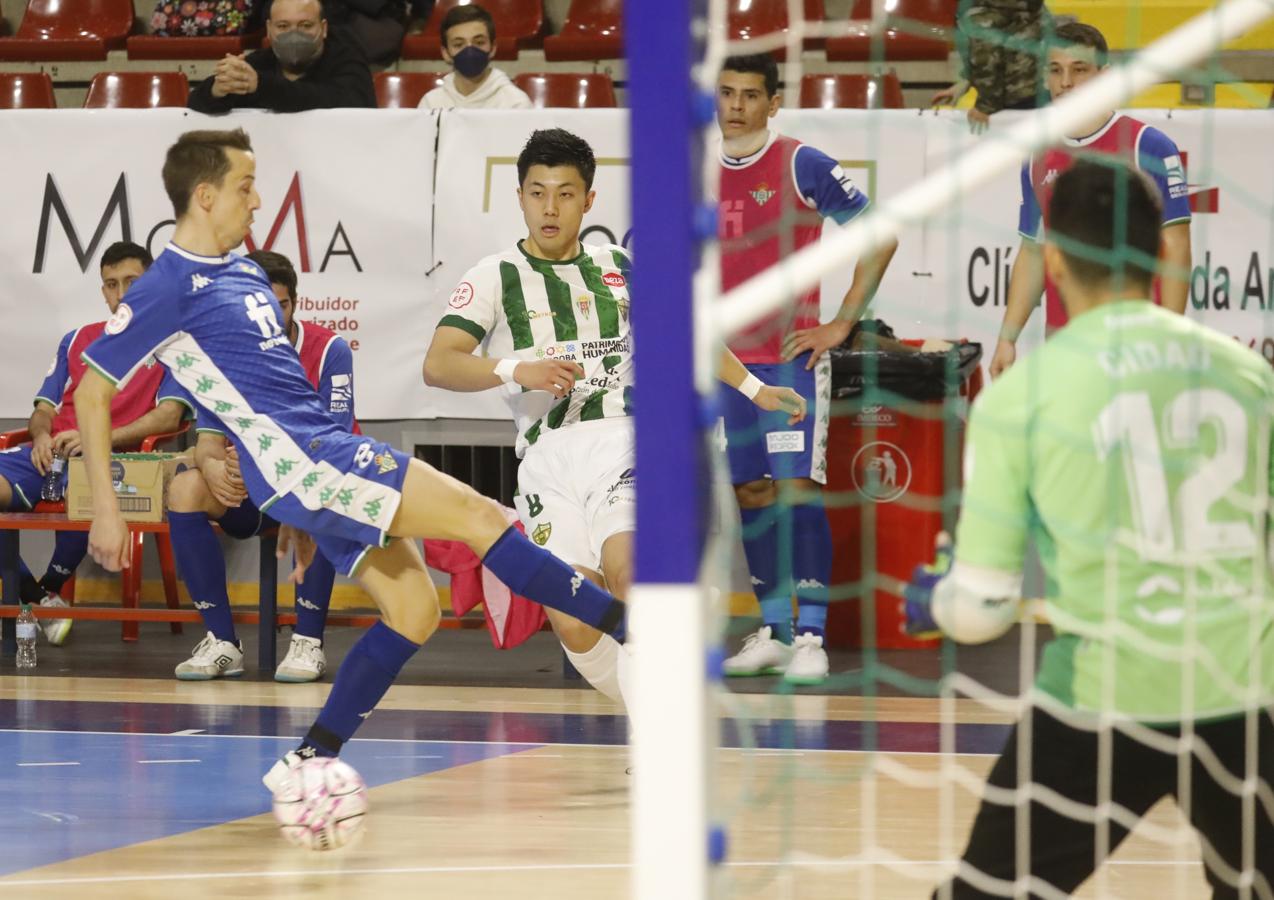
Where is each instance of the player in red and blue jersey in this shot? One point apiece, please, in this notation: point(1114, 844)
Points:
point(213, 491)
point(1077, 55)
point(775, 194)
point(212, 319)
point(153, 404)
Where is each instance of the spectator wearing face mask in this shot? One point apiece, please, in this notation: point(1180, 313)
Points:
point(468, 41)
point(303, 68)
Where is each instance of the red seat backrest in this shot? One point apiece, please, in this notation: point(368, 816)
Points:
point(594, 18)
point(110, 20)
point(26, 90)
point(750, 19)
point(934, 12)
point(137, 90)
point(404, 90)
point(851, 92)
point(564, 89)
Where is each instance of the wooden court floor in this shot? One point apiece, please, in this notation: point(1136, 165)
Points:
point(141, 788)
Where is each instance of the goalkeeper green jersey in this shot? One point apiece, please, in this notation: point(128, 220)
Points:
point(1134, 449)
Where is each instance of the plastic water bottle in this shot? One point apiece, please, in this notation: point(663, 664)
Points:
point(51, 490)
point(27, 631)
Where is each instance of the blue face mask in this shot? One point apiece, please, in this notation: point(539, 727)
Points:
point(471, 61)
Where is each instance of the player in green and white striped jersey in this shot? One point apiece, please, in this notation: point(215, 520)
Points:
point(552, 316)
point(1135, 449)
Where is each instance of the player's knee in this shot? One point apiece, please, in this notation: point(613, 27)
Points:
point(485, 521)
point(619, 580)
point(756, 494)
point(416, 618)
point(574, 634)
point(188, 493)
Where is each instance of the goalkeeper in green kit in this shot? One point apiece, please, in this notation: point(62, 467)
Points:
point(1134, 449)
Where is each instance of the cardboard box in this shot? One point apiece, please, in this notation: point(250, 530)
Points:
point(141, 484)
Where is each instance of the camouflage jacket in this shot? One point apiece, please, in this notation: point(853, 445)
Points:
point(1000, 45)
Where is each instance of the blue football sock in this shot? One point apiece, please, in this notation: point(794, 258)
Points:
point(811, 566)
point(538, 575)
point(203, 568)
point(368, 670)
point(69, 550)
point(761, 547)
point(313, 596)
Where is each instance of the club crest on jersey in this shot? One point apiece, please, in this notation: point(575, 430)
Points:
point(762, 194)
point(385, 463)
point(119, 320)
point(623, 308)
point(585, 305)
point(541, 533)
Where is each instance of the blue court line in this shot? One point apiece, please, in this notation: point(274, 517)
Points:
point(113, 799)
point(505, 727)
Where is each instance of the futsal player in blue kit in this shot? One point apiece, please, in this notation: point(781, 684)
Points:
point(211, 318)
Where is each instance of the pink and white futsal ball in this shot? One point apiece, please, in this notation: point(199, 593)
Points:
point(321, 804)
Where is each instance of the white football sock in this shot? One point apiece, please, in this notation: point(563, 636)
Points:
point(600, 666)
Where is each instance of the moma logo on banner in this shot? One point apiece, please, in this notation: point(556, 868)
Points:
point(57, 207)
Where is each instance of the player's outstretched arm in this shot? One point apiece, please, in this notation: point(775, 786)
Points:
point(767, 397)
point(1026, 284)
point(108, 536)
point(867, 277)
point(451, 365)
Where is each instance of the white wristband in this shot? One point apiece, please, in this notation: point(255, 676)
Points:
point(504, 369)
point(751, 386)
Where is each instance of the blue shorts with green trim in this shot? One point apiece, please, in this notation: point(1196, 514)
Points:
point(24, 478)
point(349, 514)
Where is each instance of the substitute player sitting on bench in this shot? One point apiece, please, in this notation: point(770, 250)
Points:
point(214, 492)
point(152, 404)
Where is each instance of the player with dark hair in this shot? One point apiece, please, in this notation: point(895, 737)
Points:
point(775, 195)
point(153, 404)
point(468, 43)
point(1134, 448)
point(553, 317)
point(212, 319)
point(214, 491)
point(1077, 54)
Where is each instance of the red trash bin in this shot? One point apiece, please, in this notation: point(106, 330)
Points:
point(888, 467)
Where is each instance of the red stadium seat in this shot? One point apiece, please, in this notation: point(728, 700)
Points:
point(154, 46)
point(404, 90)
point(26, 90)
point(750, 19)
point(593, 30)
point(69, 30)
point(137, 90)
point(518, 23)
point(851, 92)
point(571, 91)
point(924, 35)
